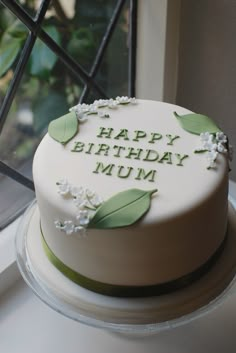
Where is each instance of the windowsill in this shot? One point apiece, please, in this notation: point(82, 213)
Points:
point(9, 272)
point(28, 325)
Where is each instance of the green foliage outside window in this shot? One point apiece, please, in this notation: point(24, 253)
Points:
point(48, 88)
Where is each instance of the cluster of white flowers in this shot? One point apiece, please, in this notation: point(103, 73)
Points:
point(83, 110)
point(214, 144)
point(86, 202)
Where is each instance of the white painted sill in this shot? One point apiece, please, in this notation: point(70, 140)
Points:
point(9, 272)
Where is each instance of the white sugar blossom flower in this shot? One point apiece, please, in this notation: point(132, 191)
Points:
point(79, 201)
point(209, 145)
point(213, 144)
point(93, 109)
point(211, 158)
point(76, 191)
point(69, 227)
point(86, 201)
point(211, 164)
point(81, 117)
point(221, 137)
point(96, 201)
point(101, 103)
point(85, 106)
point(85, 204)
point(58, 225)
point(81, 231)
point(212, 155)
point(103, 115)
point(123, 100)
point(84, 110)
point(207, 142)
point(112, 104)
point(82, 114)
point(221, 148)
point(63, 187)
point(83, 217)
point(89, 193)
point(133, 100)
point(205, 136)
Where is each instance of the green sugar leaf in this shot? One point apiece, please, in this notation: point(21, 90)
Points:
point(64, 128)
point(122, 209)
point(197, 123)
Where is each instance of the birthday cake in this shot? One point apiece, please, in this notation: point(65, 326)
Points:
point(132, 196)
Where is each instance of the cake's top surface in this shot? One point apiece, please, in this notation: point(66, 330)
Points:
point(141, 146)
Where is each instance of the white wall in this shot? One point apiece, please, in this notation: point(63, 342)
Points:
point(207, 69)
point(157, 49)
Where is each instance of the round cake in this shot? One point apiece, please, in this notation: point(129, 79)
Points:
point(132, 195)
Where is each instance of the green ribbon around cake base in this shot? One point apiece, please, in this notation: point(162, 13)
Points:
point(131, 291)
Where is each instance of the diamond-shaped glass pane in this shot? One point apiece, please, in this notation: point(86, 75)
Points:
point(30, 6)
point(15, 198)
point(82, 25)
point(41, 97)
point(12, 38)
point(113, 73)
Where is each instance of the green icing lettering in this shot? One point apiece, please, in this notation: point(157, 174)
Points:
point(154, 137)
point(118, 148)
point(122, 134)
point(90, 144)
point(103, 147)
point(105, 132)
point(150, 175)
point(181, 158)
point(134, 153)
point(166, 158)
point(127, 172)
point(104, 169)
point(151, 156)
point(171, 139)
point(139, 134)
point(78, 147)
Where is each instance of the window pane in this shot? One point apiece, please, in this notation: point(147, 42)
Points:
point(83, 27)
point(30, 6)
point(12, 38)
point(113, 74)
point(15, 198)
point(42, 96)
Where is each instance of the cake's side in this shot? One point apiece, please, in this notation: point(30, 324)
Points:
point(207, 292)
point(140, 146)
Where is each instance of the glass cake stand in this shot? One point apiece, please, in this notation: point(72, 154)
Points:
point(74, 313)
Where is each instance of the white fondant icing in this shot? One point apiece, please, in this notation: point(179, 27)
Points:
point(209, 289)
point(188, 216)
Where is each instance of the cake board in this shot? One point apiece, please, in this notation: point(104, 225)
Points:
point(123, 315)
